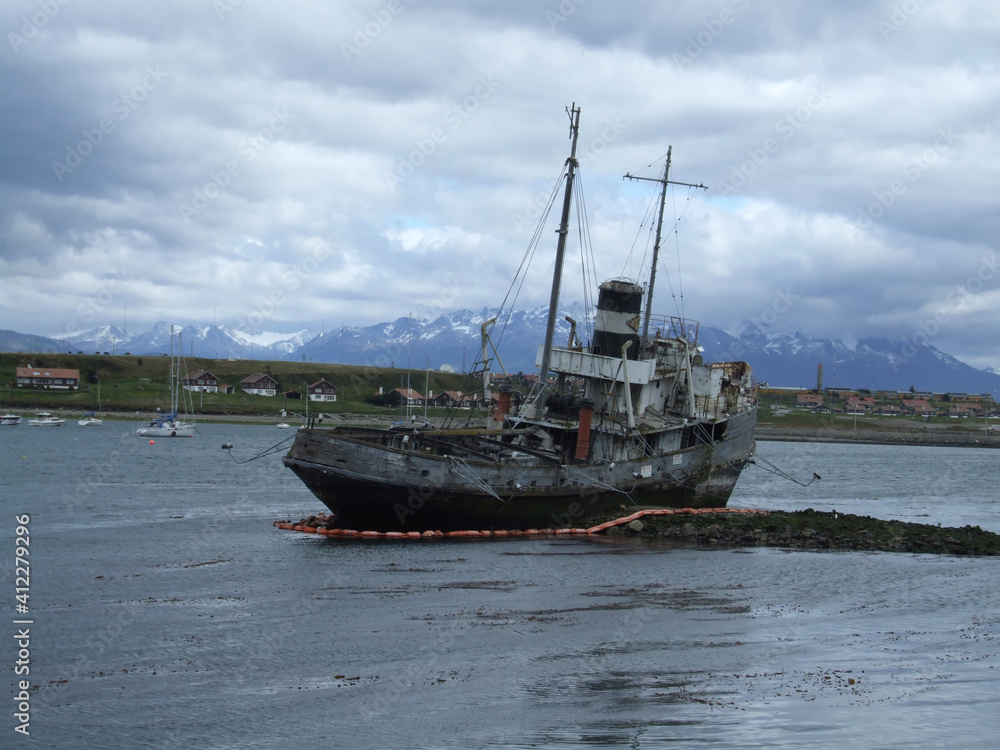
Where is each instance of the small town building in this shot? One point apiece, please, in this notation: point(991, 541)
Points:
point(47, 377)
point(917, 406)
point(447, 399)
point(859, 404)
point(200, 381)
point(322, 390)
point(259, 384)
point(400, 397)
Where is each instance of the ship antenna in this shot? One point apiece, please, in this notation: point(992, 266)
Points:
point(664, 181)
point(563, 231)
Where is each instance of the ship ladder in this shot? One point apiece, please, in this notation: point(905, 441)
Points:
point(468, 473)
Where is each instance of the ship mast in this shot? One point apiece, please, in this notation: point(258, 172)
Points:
point(659, 226)
point(563, 231)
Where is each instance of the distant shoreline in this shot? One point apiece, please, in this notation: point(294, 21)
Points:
point(941, 436)
point(895, 436)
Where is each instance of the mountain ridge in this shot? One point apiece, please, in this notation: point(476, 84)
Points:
point(787, 358)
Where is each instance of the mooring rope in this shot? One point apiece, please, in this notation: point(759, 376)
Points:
point(778, 472)
point(228, 448)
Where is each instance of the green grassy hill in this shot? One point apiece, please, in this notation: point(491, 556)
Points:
point(130, 383)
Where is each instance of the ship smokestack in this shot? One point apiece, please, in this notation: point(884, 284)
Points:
point(503, 404)
point(618, 320)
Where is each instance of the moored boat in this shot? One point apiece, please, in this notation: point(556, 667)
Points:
point(48, 421)
point(173, 424)
point(634, 419)
point(10, 419)
point(90, 419)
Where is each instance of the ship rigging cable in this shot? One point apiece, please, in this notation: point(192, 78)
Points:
point(529, 252)
point(778, 472)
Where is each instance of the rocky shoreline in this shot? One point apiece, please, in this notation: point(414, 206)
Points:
point(810, 529)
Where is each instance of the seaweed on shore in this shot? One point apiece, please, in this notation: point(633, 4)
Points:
point(811, 529)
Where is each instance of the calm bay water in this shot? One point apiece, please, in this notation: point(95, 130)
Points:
point(169, 613)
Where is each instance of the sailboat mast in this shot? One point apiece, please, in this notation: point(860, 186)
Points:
point(173, 390)
point(574, 129)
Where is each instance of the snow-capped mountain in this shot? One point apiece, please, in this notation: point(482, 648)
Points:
point(215, 342)
point(791, 358)
point(781, 358)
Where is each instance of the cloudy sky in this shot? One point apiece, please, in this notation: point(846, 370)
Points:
point(315, 164)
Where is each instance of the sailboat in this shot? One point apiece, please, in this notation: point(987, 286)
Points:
point(89, 420)
point(634, 420)
point(172, 424)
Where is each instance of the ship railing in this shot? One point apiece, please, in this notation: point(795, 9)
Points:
point(673, 327)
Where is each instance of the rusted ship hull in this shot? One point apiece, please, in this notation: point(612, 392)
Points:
point(369, 485)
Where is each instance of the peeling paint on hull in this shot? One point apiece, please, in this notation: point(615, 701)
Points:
point(372, 487)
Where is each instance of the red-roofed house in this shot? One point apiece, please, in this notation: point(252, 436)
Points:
point(201, 381)
point(322, 390)
point(809, 399)
point(406, 396)
point(447, 398)
point(259, 384)
point(918, 406)
point(47, 377)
